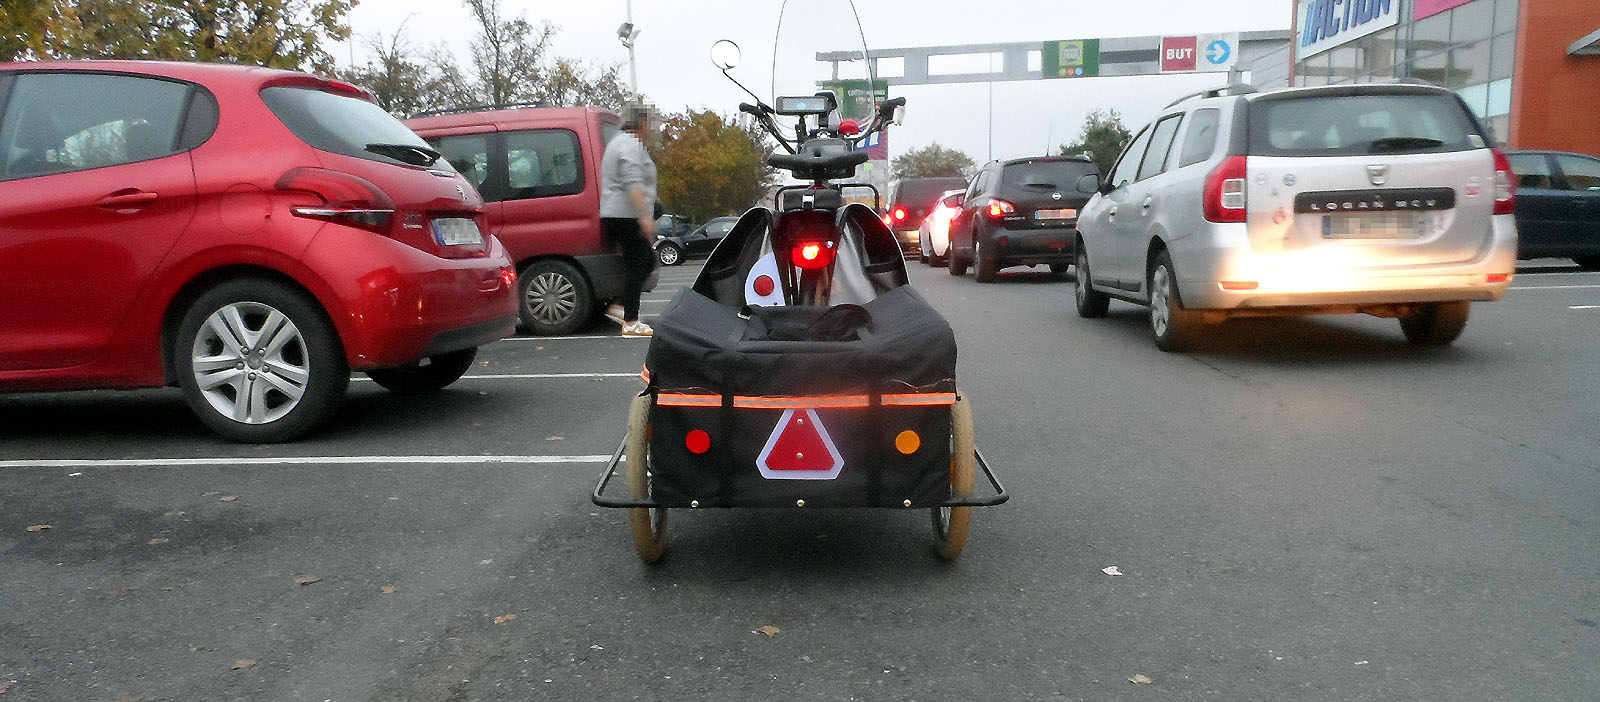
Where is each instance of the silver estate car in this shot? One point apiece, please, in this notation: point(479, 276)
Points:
point(1383, 199)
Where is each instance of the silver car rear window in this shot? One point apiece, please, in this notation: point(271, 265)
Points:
point(1348, 125)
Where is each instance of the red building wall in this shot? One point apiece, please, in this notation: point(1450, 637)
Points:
point(1554, 96)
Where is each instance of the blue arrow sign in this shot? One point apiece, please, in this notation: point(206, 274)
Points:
point(1217, 52)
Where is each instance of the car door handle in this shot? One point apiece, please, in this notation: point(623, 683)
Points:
point(1146, 204)
point(127, 201)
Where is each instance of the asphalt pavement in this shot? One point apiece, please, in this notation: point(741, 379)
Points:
point(1301, 509)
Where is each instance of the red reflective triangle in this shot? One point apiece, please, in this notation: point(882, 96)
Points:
point(800, 446)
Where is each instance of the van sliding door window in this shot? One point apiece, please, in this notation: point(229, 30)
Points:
point(543, 163)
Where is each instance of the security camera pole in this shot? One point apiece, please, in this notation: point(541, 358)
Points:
point(626, 33)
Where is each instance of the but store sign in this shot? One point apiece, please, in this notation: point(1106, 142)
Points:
point(1325, 24)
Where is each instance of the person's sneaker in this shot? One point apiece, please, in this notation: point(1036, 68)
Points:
point(614, 313)
point(637, 329)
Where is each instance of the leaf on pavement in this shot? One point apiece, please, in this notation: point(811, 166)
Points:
point(39, 527)
point(306, 579)
point(5, 685)
point(156, 541)
point(387, 589)
point(228, 498)
point(504, 618)
point(1111, 570)
point(243, 663)
point(768, 630)
point(1140, 680)
point(173, 514)
point(555, 438)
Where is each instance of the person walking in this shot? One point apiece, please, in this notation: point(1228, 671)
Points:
point(627, 212)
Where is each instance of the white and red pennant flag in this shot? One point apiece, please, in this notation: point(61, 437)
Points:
point(761, 287)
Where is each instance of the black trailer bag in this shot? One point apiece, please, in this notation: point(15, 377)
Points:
point(764, 365)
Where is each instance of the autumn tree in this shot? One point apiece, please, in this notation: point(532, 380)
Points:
point(403, 80)
point(933, 161)
point(1103, 138)
point(276, 33)
point(709, 166)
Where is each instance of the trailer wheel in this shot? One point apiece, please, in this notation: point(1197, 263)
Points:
point(950, 523)
point(649, 523)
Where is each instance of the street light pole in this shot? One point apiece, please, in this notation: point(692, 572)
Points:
point(627, 34)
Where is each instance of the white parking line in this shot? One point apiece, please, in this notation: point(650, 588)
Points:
point(293, 460)
point(1557, 287)
point(1583, 307)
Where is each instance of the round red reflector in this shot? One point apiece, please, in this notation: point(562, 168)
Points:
point(698, 441)
point(763, 285)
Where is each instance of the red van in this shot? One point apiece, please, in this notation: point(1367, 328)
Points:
point(538, 170)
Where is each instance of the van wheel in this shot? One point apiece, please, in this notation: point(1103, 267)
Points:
point(984, 264)
point(1174, 327)
point(555, 298)
point(1435, 323)
point(958, 265)
point(428, 375)
point(1091, 303)
point(259, 362)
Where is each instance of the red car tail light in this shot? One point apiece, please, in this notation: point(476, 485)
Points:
point(347, 199)
point(1224, 195)
point(1505, 189)
point(899, 214)
point(1000, 208)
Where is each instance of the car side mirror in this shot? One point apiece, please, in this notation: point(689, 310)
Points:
point(1089, 184)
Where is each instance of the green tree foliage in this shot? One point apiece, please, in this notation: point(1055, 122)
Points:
point(1103, 138)
point(404, 81)
point(276, 33)
point(709, 167)
point(933, 161)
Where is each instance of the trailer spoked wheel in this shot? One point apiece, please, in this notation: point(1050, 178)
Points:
point(649, 523)
point(950, 523)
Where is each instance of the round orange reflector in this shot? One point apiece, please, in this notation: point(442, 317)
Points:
point(908, 442)
point(698, 441)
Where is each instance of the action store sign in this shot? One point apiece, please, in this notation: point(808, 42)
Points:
point(1325, 24)
point(1200, 53)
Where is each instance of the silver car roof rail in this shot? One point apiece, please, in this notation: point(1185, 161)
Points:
point(1230, 89)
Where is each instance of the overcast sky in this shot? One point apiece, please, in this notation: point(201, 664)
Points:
point(675, 71)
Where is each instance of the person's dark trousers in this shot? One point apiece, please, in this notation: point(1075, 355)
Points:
point(637, 260)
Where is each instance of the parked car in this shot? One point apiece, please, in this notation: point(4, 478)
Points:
point(672, 250)
point(933, 237)
point(910, 200)
point(1020, 212)
point(539, 172)
point(1384, 199)
point(249, 235)
point(673, 225)
point(1558, 206)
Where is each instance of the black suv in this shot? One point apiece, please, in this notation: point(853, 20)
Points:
point(910, 200)
point(1020, 212)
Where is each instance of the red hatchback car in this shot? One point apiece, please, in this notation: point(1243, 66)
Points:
point(249, 235)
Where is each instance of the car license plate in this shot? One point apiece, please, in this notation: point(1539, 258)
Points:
point(1379, 225)
point(1067, 213)
point(457, 231)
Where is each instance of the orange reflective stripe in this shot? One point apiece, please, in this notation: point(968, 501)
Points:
point(816, 402)
point(669, 399)
point(920, 398)
point(644, 373)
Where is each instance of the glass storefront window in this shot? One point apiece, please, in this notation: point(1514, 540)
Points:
point(1505, 15)
point(1500, 128)
point(1378, 55)
point(1499, 97)
point(1502, 56)
point(1472, 21)
point(1469, 63)
point(1433, 68)
point(1429, 35)
point(1477, 98)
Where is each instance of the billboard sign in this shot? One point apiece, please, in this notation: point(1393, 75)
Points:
point(1327, 24)
point(855, 101)
point(1201, 53)
point(1077, 58)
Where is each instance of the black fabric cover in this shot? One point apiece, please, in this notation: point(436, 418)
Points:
point(894, 343)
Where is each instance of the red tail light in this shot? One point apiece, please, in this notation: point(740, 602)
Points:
point(1000, 208)
point(1505, 189)
point(811, 255)
point(887, 219)
point(899, 214)
point(1224, 191)
point(347, 199)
